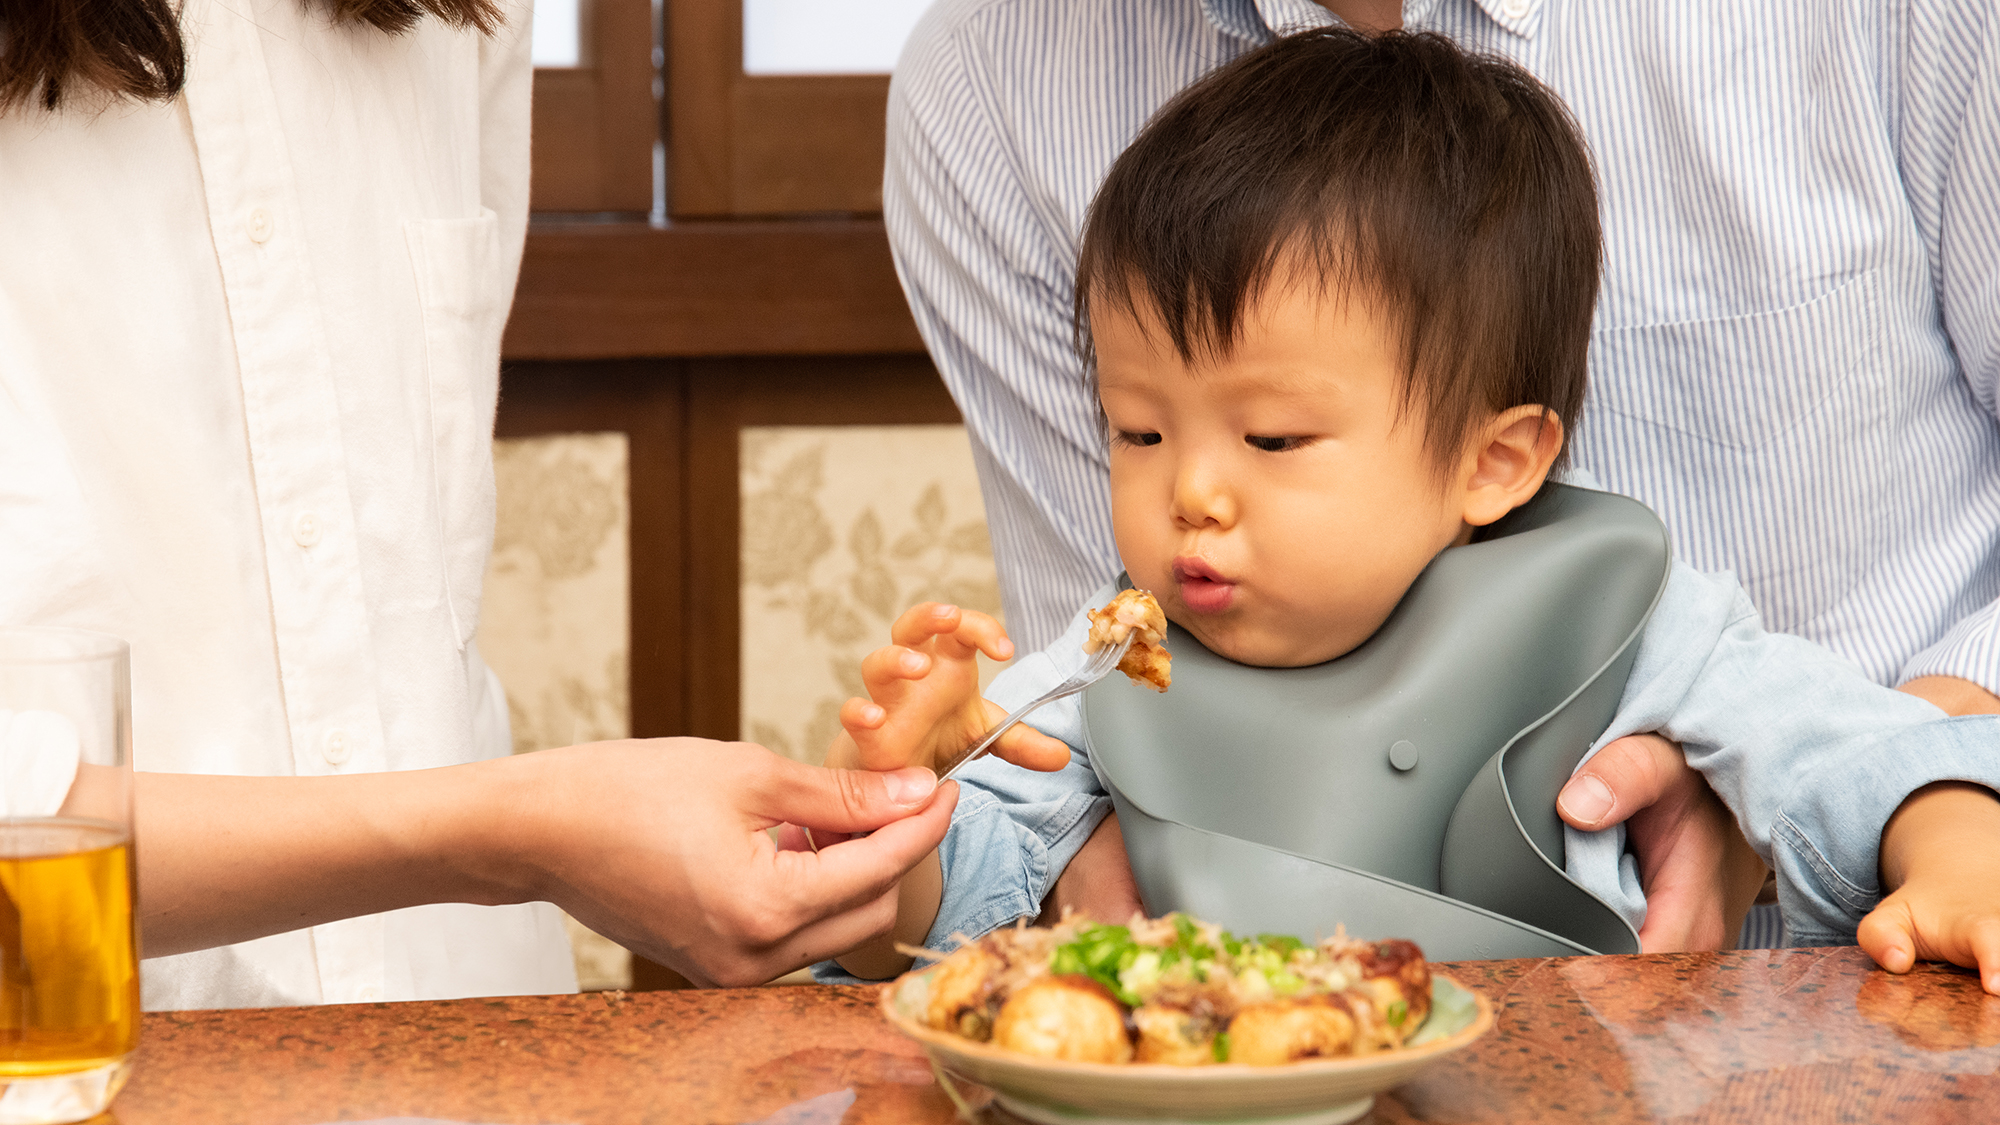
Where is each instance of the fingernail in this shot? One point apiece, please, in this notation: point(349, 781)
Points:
point(911, 786)
point(872, 713)
point(943, 610)
point(913, 662)
point(1586, 799)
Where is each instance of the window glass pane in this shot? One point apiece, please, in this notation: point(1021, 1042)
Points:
point(558, 33)
point(826, 36)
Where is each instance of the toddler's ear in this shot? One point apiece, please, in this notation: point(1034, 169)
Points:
point(1507, 460)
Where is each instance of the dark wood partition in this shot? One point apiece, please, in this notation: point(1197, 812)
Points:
point(678, 338)
point(768, 298)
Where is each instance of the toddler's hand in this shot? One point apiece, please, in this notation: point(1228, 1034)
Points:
point(1941, 853)
point(925, 707)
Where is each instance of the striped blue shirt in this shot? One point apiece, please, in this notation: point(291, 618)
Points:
point(1797, 340)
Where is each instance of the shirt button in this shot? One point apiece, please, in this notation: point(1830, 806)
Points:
point(258, 223)
point(370, 994)
point(305, 529)
point(1512, 9)
point(337, 748)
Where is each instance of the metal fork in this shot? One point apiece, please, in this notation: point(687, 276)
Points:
point(1096, 668)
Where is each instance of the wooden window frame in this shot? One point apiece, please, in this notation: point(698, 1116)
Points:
point(741, 145)
point(595, 125)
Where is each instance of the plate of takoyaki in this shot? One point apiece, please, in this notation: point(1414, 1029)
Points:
point(1173, 1019)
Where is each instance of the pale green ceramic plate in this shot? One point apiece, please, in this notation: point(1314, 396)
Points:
point(1312, 1092)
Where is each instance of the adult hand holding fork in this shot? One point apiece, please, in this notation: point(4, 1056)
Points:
point(925, 709)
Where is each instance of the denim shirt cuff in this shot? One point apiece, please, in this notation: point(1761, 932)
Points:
point(998, 864)
point(998, 867)
point(1827, 838)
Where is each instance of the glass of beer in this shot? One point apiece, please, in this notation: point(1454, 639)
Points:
point(69, 968)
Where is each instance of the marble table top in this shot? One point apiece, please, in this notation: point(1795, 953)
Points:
point(1777, 1036)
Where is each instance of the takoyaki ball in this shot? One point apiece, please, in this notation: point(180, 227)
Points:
point(1399, 963)
point(1071, 1018)
point(961, 993)
point(1280, 1031)
point(1169, 1033)
point(1392, 1017)
point(1374, 1030)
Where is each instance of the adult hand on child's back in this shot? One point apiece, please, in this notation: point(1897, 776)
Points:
point(1700, 875)
point(925, 708)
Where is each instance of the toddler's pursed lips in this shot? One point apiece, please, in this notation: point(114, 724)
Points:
point(1192, 568)
point(1202, 588)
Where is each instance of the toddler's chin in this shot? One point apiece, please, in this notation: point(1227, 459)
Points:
point(1259, 647)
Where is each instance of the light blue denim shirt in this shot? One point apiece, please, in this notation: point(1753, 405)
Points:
point(1810, 755)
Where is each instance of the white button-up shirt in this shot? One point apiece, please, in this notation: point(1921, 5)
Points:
point(249, 348)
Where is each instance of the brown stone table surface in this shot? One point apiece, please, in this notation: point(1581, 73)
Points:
point(1779, 1036)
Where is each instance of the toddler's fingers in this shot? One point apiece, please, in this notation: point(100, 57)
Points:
point(981, 631)
point(1889, 935)
point(873, 748)
point(886, 666)
point(858, 715)
point(922, 621)
point(1025, 746)
point(1986, 953)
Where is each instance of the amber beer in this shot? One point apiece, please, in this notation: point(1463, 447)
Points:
point(69, 956)
point(69, 974)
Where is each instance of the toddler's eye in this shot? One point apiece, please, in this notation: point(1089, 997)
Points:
point(1128, 437)
point(1277, 444)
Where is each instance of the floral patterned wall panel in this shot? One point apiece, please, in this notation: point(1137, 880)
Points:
point(844, 527)
point(555, 620)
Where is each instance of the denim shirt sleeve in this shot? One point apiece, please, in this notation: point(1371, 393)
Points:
point(1810, 755)
point(1016, 829)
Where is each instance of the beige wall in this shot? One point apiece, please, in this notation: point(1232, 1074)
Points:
point(845, 527)
point(554, 619)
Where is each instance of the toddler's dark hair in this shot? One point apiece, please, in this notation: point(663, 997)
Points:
point(1451, 189)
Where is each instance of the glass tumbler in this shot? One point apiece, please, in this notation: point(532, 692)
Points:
point(69, 969)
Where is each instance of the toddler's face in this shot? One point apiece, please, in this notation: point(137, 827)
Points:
point(1274, 501)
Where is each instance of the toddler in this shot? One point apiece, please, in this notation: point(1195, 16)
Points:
point(1337, 300)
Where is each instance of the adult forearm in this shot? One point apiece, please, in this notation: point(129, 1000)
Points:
point(228, 859)
point(1953, 696)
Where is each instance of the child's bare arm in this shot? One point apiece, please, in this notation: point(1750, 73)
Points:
point(1941, 863)
point(925, 709)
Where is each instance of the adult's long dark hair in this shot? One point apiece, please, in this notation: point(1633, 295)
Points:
point(53, 49)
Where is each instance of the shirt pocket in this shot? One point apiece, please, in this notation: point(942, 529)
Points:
point(1760, 439)
point(464, 304)
point(1741, 381)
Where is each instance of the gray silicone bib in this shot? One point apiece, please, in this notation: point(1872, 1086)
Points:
point(1408, 788)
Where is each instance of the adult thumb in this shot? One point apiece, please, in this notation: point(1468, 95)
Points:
point(1630, 774)
point(843, 800)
